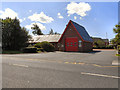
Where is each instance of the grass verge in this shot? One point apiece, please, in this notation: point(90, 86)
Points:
point(11, 52)
point(117, 54)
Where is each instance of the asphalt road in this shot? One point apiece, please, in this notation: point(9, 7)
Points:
point(60, 70)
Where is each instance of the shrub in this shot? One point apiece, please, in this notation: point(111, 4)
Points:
point(118, 47)
point(29, 50)
point(40, 49)
point(107, 47)
point(37, 45)
point(47, 46)
point(110, 47)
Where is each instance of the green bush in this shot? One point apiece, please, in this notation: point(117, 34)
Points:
point(46, 46)
point(37, 45)
point(29, 50)
point(118, 47)
point(107, 47)
point(40, 49)
point(110, 47)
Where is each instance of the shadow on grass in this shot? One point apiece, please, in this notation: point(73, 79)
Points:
point(11, 52)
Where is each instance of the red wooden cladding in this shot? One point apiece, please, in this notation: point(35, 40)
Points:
point(71, 44)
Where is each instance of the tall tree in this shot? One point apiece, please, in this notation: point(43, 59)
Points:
point(116, 30)
point(36, 30)
point(14, 37)
point(51, 32)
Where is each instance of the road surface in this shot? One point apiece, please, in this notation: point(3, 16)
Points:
point(60, 70)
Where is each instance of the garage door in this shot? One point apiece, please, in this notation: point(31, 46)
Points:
point(71, 44)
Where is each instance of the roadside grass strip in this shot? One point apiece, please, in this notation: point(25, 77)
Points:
point(100, 75)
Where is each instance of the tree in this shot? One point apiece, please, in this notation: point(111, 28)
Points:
point(57, 33)
point(36, 30)
point(51, 32)
point(14, 37)
point(116, 30)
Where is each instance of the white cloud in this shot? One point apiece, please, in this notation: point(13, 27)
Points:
point(60, 16)
point(68, 15)
point(20, 20)
point(75, 17)
point(8, 13)
point(24, 19)
point(30, 10)
point(42, 27)
point(80, 8)
point(41, 18)
point(81, 18)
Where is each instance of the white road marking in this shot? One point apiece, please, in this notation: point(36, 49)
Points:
point(20, 65)
point(116, 62)
point(101, 75)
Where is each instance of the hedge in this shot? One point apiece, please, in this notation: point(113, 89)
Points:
point(40, 49)
point(118, 47)
point(29, 50)
point(46, 46)
point(107, 47)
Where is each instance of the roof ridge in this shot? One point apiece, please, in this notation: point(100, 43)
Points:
point(82, 31)
point(76, 23)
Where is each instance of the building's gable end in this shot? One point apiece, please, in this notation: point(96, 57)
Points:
point(70, 23)
point(64, 31)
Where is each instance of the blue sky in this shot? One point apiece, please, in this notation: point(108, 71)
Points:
point(98, 18)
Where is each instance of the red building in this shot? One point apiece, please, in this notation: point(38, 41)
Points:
point(75, 38)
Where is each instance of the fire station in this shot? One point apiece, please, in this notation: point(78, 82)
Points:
point(74, 38)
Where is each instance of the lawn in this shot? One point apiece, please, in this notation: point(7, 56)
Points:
point(16, 52)
point(117, 54)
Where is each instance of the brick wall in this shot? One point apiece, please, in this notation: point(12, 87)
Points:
point(70, 32)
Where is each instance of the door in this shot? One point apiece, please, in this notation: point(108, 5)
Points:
point(71, 44)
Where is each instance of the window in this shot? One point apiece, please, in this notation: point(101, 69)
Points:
point(80, 43)
point(62, 45)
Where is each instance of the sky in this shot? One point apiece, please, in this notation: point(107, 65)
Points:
point(98, 18)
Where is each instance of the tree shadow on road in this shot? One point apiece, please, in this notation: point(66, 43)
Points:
point(93, 52)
